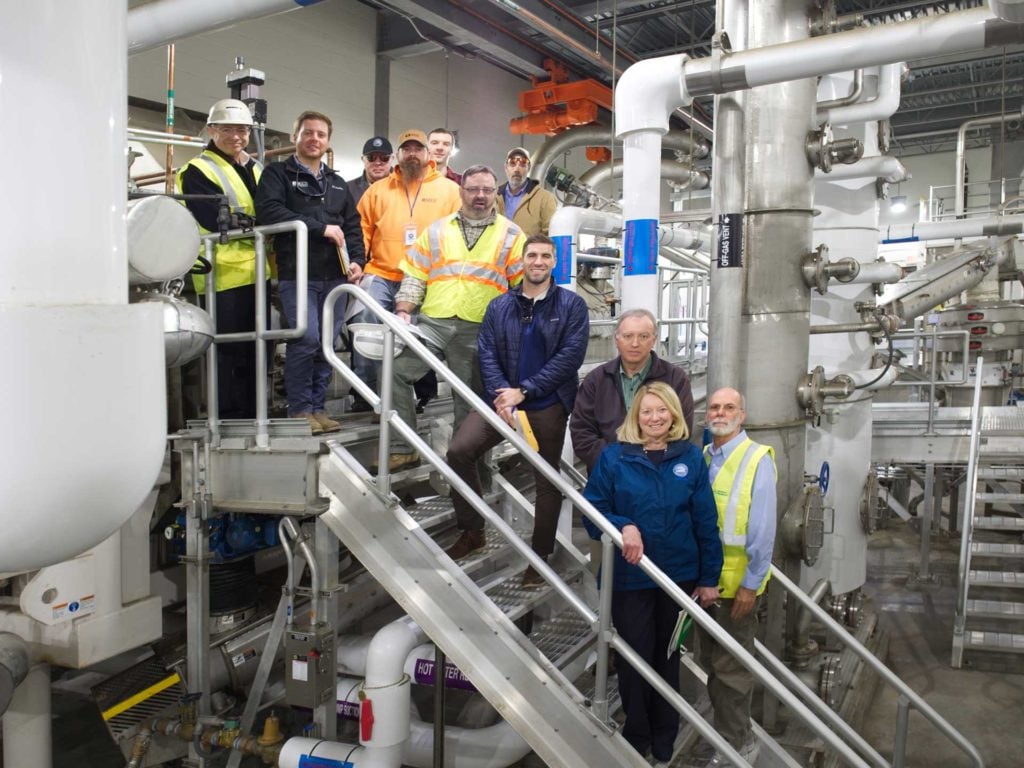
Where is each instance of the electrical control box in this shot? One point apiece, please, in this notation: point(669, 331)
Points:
point(311, 675)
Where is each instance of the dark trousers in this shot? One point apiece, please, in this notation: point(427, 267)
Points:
point(475, 437)
point(236, 362)
point(645, 618)
point(730, 684)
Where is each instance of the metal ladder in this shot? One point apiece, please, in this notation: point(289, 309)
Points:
point(990, 597)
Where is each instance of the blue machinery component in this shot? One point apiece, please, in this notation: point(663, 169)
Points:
point(231, 536)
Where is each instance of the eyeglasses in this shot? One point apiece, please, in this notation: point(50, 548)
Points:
point(522, 162)
point(233, 130)
point(480, 190)
point(629, 338)
point(377, 157)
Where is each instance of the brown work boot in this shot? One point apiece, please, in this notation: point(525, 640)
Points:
point(531, 578)
point(397, 461)
point(314, 424)
point(327, 424)
point(468, 541)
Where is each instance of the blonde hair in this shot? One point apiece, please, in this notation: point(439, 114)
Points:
point(629, 432)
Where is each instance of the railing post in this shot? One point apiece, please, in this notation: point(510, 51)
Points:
point(899, 748)
point(604, 618)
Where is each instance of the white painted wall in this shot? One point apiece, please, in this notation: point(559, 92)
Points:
point(324, 58)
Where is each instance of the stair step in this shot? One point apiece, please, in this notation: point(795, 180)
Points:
point(995, 549)
point(1001, 473)
point(1007, 579)
point(1000, 497)
point(432, 512)
point(995, 609)
point(563, 637)
point(1006, 642)
point(999, 523)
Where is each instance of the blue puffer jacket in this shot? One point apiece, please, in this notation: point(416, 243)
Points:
point(671, 504)
point(564, 324)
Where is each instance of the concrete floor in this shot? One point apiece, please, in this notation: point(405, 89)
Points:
point(984, 701)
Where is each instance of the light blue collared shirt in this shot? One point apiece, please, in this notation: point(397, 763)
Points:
point(761, 523)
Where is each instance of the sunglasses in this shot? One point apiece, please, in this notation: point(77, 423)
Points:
point(522, 162)
point(378, 157)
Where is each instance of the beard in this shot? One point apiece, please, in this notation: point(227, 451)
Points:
point(411, 167)
point(723, 428)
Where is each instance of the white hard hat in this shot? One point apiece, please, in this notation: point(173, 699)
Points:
point(368, 339)
point(230, 112)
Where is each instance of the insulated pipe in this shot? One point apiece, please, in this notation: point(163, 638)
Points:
point(14, 665)
point(876, 272)
point(961, 153)
point(949, 33)
point(882, 107)
point(163, 21)
point(384, 696)
point(680, 141)
point(565, 227)
point(995, 226)
point(883, 167)
point(63, 299)
point(27, 723)
point(670, 171)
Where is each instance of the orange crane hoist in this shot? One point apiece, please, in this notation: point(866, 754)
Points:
point(555, 104)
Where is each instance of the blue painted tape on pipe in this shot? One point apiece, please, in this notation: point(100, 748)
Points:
point(640, 255)
point(304, 3)
point(563, 254)
point(308, 761)
point(902, 240)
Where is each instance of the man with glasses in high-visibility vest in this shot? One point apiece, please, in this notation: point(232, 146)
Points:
point(743, 479)
point(452, 272)
point(225, 168)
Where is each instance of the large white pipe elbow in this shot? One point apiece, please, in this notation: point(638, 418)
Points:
point(163, 21)
point(882, 107)
point(883, 167)
point(647, 94)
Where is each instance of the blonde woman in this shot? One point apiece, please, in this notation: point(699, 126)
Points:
point(653, 486)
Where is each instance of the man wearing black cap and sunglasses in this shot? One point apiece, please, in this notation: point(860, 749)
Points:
point(377, 156)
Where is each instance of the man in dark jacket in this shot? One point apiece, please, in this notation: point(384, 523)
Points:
point(303, 188)
point(607, 392)
point(377, 156)
point(532, 342)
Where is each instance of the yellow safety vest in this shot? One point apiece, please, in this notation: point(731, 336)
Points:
point(236, 260)
point(460, 282)
point(732, 490)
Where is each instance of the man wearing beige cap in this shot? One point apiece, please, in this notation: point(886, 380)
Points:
point(395, 210)
point(522, 199)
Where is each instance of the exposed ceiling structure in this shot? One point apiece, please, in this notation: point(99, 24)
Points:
point(600, 38)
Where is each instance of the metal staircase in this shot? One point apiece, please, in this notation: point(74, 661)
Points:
point(520, 681)
point(990, 605)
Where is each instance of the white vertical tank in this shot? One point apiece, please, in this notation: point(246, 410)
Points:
point(83, 384)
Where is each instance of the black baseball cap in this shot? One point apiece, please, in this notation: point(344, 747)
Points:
point(377, 144)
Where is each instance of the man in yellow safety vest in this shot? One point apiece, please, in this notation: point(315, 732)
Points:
point(743, 478)
point(452, 272)
point(225, 168)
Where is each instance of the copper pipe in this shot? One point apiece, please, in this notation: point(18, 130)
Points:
point(169, 156)
point(150, 178)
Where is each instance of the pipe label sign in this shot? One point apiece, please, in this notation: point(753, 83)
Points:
point(730, 240)
point(640, 252)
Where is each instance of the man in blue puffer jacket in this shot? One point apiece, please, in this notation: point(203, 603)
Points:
point(532, 343)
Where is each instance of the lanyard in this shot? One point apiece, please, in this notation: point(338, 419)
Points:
point(412, 203)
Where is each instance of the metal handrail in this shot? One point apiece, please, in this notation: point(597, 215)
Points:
point(967, 529)
point(908, 694)
point(600, 622)
point(261, 335)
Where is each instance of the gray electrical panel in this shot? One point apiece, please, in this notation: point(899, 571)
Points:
point(311, 667)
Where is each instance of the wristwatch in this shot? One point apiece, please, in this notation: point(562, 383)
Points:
point(526, 395)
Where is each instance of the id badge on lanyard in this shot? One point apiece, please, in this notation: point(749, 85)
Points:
point(410, 234)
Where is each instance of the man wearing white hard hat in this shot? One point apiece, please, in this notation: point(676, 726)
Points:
point(225, 168)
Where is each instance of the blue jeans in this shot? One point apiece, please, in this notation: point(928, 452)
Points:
point(306, 373)
point(383, 291)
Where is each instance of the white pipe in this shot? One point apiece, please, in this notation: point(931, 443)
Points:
point(691, 239)
point(163, 21)
point(565, 228)
point(948, 33)
point(882, 107)
point(670, 171)
point(680, 141)
point(64, 316)
point(386, 689)
point(883, 167)
point(995, 226)
point(961, 153)
point(26, 724)
point(641, 203)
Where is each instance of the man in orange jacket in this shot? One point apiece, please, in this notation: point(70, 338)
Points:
point(394, 211)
